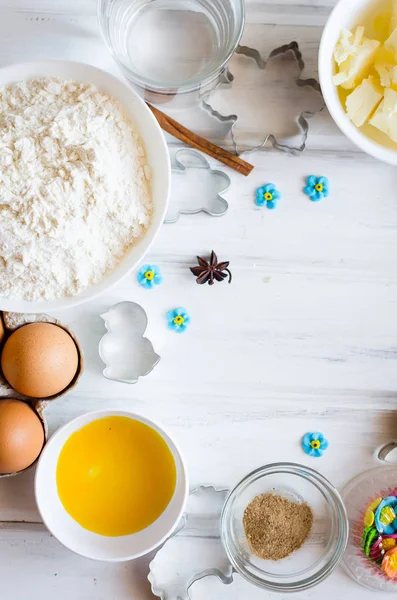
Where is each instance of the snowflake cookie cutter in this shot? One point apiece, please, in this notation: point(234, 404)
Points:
point(169, 577)
point(301, 120)
point(206, 182)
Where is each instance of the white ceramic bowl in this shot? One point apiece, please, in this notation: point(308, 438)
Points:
point(346, 14)
point(157, 154)
point(88, 544)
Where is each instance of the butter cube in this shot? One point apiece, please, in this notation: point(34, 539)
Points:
point(391, 42)
point(390, 102)
point(393, 19)
point(385, 56)
point(347, 44)
point(384, 66)
point(380, 120)
point(361, 103)
point(385, 118)
point(354, 54)
point(385, 74)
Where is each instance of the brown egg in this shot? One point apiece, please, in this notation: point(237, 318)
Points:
point(21, 436)
point(2, 331)
point(39, 360)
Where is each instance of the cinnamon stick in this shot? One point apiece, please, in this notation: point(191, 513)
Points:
point(192, 139)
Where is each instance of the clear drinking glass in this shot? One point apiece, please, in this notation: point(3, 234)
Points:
point(171, 47)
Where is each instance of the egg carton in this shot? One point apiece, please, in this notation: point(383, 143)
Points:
point(9, 322)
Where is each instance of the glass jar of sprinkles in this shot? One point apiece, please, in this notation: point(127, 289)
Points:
point(371, 504)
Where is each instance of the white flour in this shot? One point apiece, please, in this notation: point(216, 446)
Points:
point(74, 191)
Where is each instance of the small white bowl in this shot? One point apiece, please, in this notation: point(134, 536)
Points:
point(157, 156)
point(346, 15)
point(84, 542)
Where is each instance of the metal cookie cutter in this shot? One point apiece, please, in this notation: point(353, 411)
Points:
point(196, 542)
point(125, 351)
point(196, 187)
point(301, 120)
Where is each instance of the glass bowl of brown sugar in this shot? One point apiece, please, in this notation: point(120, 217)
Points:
point(284, 527)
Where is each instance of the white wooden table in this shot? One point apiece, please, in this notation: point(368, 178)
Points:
point(304, 339)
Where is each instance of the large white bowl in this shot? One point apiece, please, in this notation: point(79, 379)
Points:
point(346, 14)
point(84, 542)
point(157, 154)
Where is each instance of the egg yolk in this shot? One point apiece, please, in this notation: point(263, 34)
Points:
point(115, 476)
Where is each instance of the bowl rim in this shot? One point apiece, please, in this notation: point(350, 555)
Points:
point(182, 88)
point(149, 237)
point(300, 470)
point(339, 18)
point(97, 414)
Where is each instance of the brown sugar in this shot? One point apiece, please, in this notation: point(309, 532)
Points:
point(276, 527)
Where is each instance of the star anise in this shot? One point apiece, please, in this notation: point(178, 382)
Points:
point(211, 271)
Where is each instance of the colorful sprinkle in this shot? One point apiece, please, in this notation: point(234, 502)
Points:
point(370, 540)
point(387, 515)
point(386, 525)
point(369, 518)
point(388, 544)
point(389, 563)
point(364, 538)
point(374, 504)
point(365, 535)
point(376, 550)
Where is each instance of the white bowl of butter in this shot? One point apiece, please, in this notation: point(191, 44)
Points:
point(358, 74)
point(111, 485)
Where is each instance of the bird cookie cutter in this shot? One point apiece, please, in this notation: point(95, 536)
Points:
point(126, 352)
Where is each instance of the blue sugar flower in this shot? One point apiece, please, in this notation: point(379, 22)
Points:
point(148, 276)
point(178, 319)
point(314, 444)
point(317, 188)
point(267, 195)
